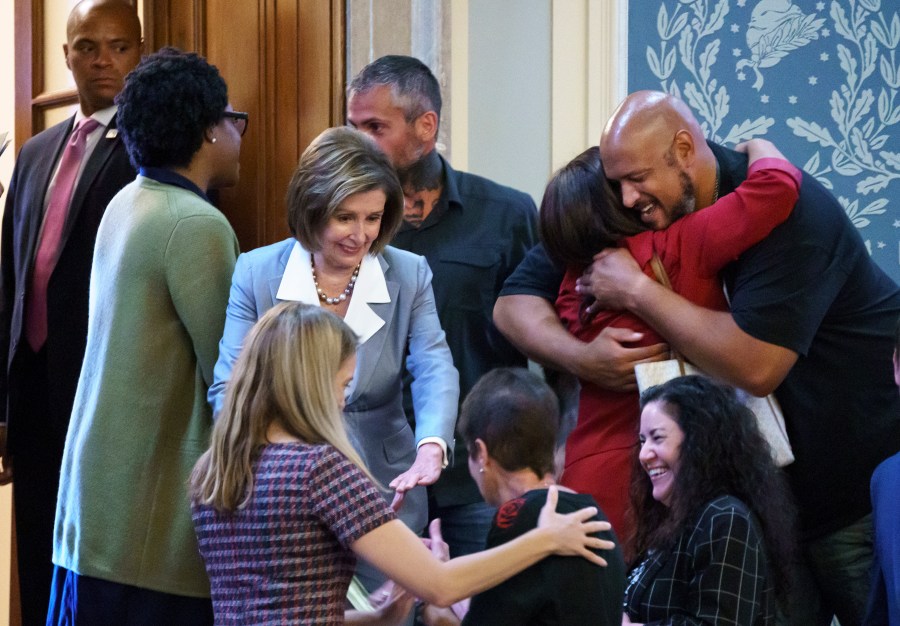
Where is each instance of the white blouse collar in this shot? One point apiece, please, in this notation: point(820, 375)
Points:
point(371, 288)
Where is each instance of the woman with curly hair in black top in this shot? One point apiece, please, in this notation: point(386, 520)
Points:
point(714, 534)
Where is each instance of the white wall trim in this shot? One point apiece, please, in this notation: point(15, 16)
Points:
point(459, 92)
point(590, 71)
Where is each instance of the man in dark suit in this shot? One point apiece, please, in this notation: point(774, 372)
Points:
point(472, 231)
point(53, 208)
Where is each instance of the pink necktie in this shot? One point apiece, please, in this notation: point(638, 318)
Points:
point(51, 234)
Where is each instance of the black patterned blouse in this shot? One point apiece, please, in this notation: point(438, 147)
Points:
point(716, 573)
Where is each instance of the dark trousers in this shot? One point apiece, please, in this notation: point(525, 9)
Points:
point(37, 448)
point(85, 601)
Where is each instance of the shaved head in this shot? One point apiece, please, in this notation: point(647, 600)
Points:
point(86, 9)
point(654, 148)
point(647, 113)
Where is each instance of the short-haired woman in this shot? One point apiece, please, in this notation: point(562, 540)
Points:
point(124, 543)
point(344, 204)
point(715, 520)
point(510, 421)
point(282, 502)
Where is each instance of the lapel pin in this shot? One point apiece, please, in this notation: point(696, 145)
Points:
point(112, 133)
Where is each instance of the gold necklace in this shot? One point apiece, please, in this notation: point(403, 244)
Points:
point(343, 295)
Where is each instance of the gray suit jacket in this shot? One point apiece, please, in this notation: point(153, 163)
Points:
point(374, 412)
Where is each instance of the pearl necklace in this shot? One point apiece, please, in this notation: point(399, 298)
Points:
point(347, 290)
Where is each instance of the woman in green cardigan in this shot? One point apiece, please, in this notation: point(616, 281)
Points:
point(124, 548)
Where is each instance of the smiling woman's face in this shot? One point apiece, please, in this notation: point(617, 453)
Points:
point(349, 233)
point(661, 438)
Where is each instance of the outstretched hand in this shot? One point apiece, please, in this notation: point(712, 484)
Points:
point(572, 531)
point(425, 470)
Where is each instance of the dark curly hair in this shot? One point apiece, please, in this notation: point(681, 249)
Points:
point(516, 415)
point(170, 99)
point(723, 453)
point(581, 213)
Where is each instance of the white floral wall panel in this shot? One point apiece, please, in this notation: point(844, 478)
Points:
point(820, 79)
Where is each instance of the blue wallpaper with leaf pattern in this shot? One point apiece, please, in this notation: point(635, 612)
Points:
point(820, 79)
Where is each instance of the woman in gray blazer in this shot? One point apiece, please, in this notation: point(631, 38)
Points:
point(344, 204)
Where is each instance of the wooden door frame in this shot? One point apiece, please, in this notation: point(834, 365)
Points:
point(31, 101)
point(184, 24)
point(157, 15)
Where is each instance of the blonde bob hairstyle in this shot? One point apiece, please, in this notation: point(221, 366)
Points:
point(339, 163)
point(285, 374)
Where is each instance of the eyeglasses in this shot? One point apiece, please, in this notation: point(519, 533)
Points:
point(240, 120)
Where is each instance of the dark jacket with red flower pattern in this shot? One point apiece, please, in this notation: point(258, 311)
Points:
point(558, 589)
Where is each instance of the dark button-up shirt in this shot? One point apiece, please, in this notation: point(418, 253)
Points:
point(473, 239)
